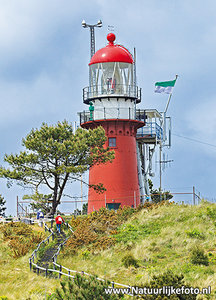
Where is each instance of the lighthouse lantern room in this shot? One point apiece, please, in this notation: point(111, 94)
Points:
point(112, 95)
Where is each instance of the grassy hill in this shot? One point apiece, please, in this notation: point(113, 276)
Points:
point(161, 238)
point(157, 237)
point(16, 281)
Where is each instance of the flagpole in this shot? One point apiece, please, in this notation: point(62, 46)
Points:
point(169, 99)
point(164, 138)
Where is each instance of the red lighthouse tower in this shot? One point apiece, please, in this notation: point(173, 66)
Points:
point(113, 95)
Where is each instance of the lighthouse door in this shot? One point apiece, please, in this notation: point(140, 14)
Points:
point(113, 205)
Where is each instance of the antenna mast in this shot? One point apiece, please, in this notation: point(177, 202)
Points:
point(92, 34)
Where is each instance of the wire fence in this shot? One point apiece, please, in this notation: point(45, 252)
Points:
point(191, 197)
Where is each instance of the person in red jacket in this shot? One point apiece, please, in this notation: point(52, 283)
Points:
point(59, 220)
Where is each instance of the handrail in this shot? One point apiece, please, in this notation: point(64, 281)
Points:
point(34, 255)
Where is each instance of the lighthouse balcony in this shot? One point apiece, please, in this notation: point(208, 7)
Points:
point(104, 113)
point(152, 132)
point(111, 91)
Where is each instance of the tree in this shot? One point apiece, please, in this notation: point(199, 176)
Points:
point(40, 201)
point(2, 205)
point(54, 156)
point(157, 195)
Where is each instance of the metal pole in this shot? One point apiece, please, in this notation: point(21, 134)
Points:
point(17, 207)
point(169, 99)
point(194, 198)
point(92, 40)
point(167, 103)
point(81, 196)
point(160, 167)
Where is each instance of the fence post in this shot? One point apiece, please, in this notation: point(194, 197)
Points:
point(46, 272)
point(113, 283)
point(37, 271)
point(129, 289)
point(60, 269)
point(194, 196)
point(53, 236)
point(68, 272)
point(30, 264)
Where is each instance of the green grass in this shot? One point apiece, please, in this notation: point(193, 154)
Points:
point(17, 282)
point(160, 239)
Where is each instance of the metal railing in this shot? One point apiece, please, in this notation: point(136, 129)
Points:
point(61, 272)
point(104, 113)
point(117, 90)
point(151, 129)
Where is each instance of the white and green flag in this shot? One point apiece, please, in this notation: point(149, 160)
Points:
point(164, 86)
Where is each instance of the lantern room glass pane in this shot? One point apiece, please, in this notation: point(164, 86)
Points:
point(111, 78)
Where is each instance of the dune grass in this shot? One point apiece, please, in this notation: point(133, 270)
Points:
point(16, 280)
point(159, 239)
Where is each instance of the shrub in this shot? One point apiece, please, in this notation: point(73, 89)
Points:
point(198, 257)
point(84, 288)
point(211, 213)
point(195, 234)
point(129, 260)
point(167, 279)
point(21, 238)
point(98, 230)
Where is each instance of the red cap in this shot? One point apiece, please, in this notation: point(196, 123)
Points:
point(112, 53)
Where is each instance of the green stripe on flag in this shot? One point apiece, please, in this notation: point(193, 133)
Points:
point(166, 83)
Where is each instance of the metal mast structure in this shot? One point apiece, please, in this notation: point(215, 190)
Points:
point(92, 34)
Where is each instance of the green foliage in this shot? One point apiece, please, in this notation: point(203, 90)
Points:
point(44, 247)
point(211, 213)
point(167, 279)
point(96, 229)
point(2, 205)
point(195, 233)
point(132, 232)
point(84, 288)
point(21, 238)
point(85, 254)
point(198, 257)
point(102, 229)
point(85, 209)
point(40, 201)
point(129, 260)
point(54, 156)
point(158, 196)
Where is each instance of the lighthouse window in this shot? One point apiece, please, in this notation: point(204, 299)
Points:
point(112, 142)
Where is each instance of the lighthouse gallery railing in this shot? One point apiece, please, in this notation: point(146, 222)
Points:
point(118, 90)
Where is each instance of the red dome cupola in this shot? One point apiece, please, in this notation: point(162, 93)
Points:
point(112, 53)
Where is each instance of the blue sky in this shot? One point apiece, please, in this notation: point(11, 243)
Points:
point(44, 56)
